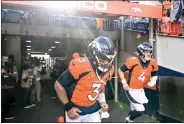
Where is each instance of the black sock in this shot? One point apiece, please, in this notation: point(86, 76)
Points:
point(134, 114)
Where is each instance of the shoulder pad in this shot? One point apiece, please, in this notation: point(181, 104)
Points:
point(78, 66)
point(130, 62)
point(154, 64)
point(133, 59)
point(153, 61)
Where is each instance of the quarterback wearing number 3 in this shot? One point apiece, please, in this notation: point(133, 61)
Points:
point(140, 69)
point(81, 87)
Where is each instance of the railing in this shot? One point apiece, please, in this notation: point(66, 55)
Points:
point(61, 20)
point(136, 24)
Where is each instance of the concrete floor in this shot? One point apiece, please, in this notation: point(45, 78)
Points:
point(51, 109)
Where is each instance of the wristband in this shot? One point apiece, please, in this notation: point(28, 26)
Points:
point(101, 98)
point(123, 81)
point(68, 106)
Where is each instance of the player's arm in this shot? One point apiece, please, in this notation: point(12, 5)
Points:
point(103, 104)
point(121, 71)
point(154, 74)
point(101, 97)
point(60, 86)
point(127, 66)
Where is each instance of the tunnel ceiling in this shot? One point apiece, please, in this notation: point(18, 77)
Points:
point(43, 45)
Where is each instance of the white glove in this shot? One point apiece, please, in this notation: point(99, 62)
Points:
point(153, 81)
point(104, 114)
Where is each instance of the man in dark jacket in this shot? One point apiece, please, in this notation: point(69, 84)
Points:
point(9, 76)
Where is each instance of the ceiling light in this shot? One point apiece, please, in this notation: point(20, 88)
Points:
point(28, 49)
point(28, 41)
point(50, 49)
point(28, 53)
point(28, 46)
point(57, 42)
point(53, 47)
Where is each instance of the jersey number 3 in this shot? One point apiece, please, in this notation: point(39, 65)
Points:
point(96, 91)
point(142, 77)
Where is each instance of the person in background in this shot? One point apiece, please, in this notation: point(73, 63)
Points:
point(58, 69)
point(55, 75)
point(37, 85)
point(14, 74)
point(8, 82)
point(27, 83)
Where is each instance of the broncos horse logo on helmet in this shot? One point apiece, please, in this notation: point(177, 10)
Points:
point(143, 48)
point(102, 48)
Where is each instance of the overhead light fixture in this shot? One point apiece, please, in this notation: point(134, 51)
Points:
point(50, 49)
point(28, 41)
point(28, 46)
point(53, 47)
point(28, 49)
point(57, 42)
point(28, 53)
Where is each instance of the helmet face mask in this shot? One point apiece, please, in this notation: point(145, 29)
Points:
point(102, 50)
point(145, 51)
point(104, 65)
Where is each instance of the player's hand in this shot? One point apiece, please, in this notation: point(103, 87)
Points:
point(104, 106)
point(151, 83)
point(126, 86)
point(73, 113)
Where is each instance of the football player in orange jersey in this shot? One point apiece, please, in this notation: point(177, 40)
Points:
point(140, 69)
point(80, 88)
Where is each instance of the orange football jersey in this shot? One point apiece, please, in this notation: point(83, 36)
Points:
point(139, 75)
point(89, 86)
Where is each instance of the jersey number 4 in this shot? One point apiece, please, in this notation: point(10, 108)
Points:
point(96, 91)
point(142, 77)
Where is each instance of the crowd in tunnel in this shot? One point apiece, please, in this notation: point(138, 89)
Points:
point(30, 81)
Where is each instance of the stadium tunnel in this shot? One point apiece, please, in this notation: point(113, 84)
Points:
point(29, 30)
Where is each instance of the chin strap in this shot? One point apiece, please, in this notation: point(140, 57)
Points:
point(99, 77)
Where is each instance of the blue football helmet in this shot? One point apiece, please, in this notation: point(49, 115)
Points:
point(102, 48)
point(145, 47)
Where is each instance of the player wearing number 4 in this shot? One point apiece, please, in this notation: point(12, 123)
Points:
point(140, 69)
point(80, 88)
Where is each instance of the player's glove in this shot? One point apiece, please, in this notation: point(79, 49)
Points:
point(153, 81)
